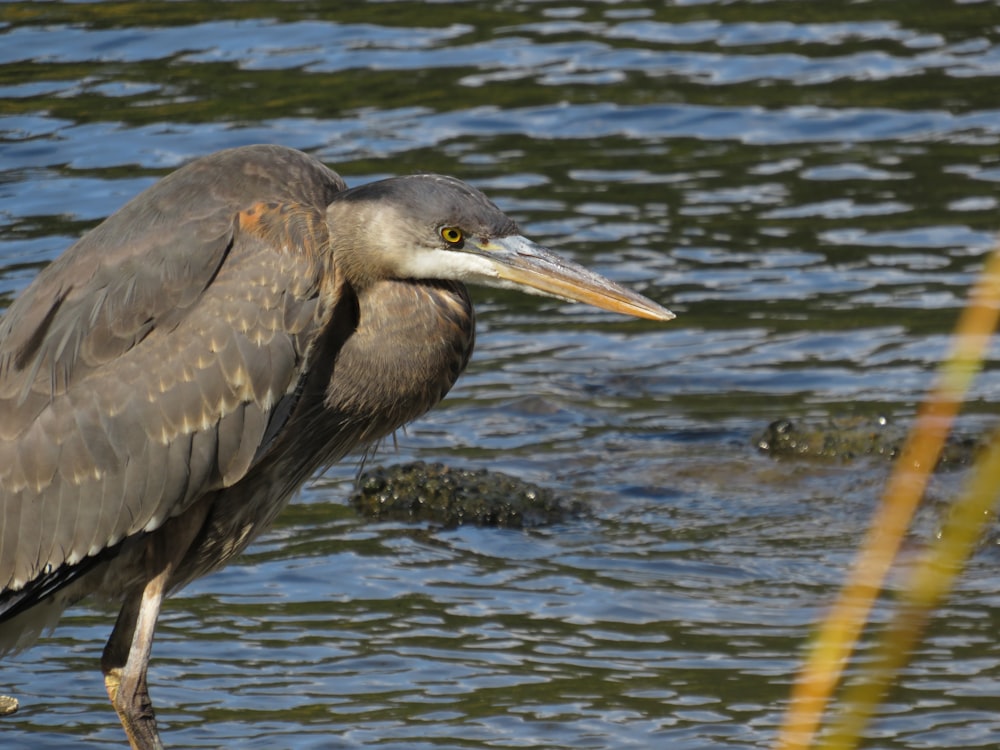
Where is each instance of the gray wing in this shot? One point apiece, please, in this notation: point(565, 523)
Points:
point(143, 368)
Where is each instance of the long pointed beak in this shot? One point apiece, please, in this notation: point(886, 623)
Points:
point(524, 264)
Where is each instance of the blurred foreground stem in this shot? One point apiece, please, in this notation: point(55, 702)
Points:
point(838, 634)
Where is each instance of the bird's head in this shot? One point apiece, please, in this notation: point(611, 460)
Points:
point(435, 227)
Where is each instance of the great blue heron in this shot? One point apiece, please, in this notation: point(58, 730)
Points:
point(170, 381)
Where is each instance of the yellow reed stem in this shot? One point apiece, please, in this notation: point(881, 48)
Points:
point(833, 643)
point(929, 581)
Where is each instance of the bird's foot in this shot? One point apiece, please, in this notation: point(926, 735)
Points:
point(8, 705)
point(134, 708)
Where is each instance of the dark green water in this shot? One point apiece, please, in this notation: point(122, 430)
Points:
point(810, 186)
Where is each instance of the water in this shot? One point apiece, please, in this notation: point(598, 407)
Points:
point(811, 187)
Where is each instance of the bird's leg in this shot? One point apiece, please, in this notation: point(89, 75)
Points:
point(125, 659)
point(126, 655)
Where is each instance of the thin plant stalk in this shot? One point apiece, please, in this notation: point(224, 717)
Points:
point(837, 635)
point(929, 582)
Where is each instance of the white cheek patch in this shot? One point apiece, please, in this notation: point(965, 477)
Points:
point(450, 265)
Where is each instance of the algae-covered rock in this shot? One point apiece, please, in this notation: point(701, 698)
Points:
point(452, 497)
point(845, 438)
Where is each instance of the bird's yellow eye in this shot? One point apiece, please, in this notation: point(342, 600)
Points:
point(452, 235)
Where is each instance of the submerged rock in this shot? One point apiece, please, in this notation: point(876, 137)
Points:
point(846, 438)
point(843, 438)
point(451, 497)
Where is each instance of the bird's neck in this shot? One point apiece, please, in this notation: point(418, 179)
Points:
point(412, 341)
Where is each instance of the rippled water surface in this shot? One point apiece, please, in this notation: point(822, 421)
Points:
point(810, 186)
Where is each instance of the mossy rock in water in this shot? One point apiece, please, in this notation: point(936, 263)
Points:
point(846, 438)
point(452, 497)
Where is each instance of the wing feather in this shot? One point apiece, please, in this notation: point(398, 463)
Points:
point(141, 369)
